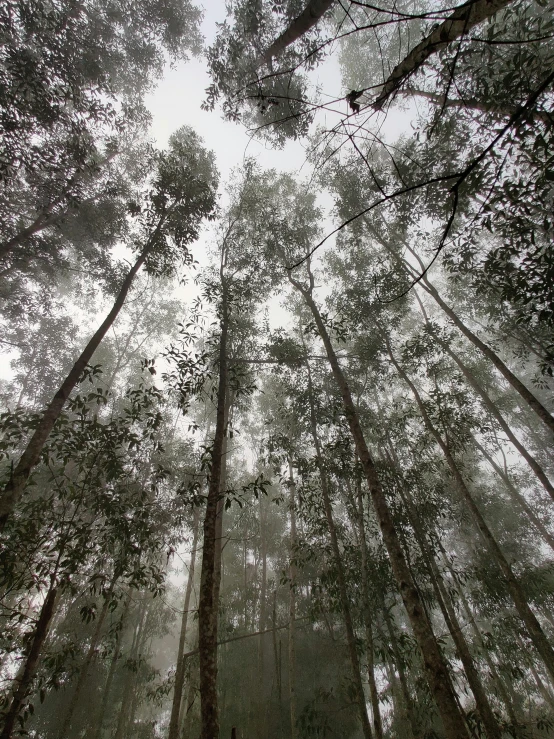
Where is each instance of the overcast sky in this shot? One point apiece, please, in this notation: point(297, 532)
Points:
point(177, 101)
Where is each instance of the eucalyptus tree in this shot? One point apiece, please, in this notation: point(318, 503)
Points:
point(352, 296)
point(436, 670)
point(234, 287)
point(181, 194)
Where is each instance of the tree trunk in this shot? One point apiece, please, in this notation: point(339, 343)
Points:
point(516, 384)
point(527, 616)
point(209, 588)
point(492, 730)
point(174, 722)
point(480, 641)
point(435, 667)
point(25, 680)
point(406, 697)
point(457, 25)
point(262, 728)
point(311, 14)
point(31, 456)
point(83, 672)
point(111, 672)
point(508, 375)
point(358, 508)
point(276, 647)
point(343, 590)
point(124, 710)
point(517, 497)
point(292, 605)
point(188, 702)
point(493, 410)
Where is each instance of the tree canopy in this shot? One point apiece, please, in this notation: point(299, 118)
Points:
point(276, 447)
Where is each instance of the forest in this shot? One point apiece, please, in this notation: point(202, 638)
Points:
point(276, 449)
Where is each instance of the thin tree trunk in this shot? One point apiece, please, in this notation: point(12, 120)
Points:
point(399, 718)
point(276, 648)
point(517, 497)
point(262, 724)
point(527, 616)
point(25, 680)
point(516, 384)
point(130, 724)
point(406, 697)
point(292, 604)
point(543, 690)
point(207, 606)
point(492, 730)
point(499, 683)
point(343, 591)
point(111, 672)
point(493, 410)
point(174, 722)
point(31, 456)
point(358, 509)
point(83, 672)
point(508, 375)
point(128, 688)
point(457, 25)
point(435, 667)
point(312, 13)
point(187, 707)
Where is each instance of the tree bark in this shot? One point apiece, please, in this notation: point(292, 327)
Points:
point(493, 410)
point(83, 672)
point(531, 622)
point(174, 721)
point(24, 682)
point(207, 606)
point(435, 667)
point(492, 730)
point(312, 13)
point(517, 497)
point(343, 591)
point(292, 605)
point(458, 23)
point(31, 456)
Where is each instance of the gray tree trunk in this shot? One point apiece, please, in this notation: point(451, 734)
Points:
point(435, 668)
point(457, 25)
point(174, 721)
point(312, 13)
point(531, 622)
